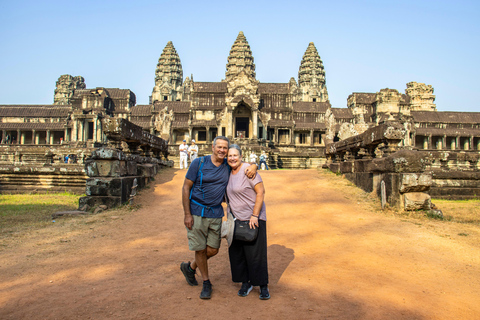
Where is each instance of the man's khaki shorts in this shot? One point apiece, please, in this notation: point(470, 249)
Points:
point(205, 232)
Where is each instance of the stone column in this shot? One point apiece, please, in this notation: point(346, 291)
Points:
point(275, 138)
point(457, 142)
point(95, 122)
point(4, 134)
point(444, 142)
point(452, 144)
point(81, 133)
point(65, 135)
point(22, 139)
point(425, 142)
point(34, 137)
point(208, 135)
point(75, 131)
point(229, 125)
point(471, 143)
point(311, 138)
point(47, 138)
point(255, 124)
point(430, 141)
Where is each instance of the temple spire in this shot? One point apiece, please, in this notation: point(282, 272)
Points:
point(168, 75)
point(311, 76)
point(240, 58)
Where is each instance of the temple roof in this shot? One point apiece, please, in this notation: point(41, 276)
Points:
point(204, 123)
point(312, 107)
point(176, 106)
point(141, 110)
point(363, 97)
point(278, 88)
point(342, 113)
point(310, 125)
point(32, 125)
point(446, 117)
point(452, 132)
point(210, 87)
point(34, 111)
point(280, 123)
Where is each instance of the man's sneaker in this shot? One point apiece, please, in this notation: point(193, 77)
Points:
point(245, 289)
point(264, 294)
point(188, 273)
point(206, 291)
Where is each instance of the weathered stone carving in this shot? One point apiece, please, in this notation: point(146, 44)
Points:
point(65, 88)
point(168, 76)
point(240, 75)
point(311, 76)
point(421, 96)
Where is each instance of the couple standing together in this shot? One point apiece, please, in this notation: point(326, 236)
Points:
point(204, 188)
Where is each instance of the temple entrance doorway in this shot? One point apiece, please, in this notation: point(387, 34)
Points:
point(242, 120)
point(241, 127)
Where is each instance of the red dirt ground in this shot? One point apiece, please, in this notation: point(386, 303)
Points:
point(332, 255)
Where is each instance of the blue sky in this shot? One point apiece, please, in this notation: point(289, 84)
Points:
point(365, 45)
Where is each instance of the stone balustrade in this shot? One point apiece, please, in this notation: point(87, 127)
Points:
point(402, 177)
point(130, 160)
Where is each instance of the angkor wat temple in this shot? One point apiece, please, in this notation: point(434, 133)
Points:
point(293, 121)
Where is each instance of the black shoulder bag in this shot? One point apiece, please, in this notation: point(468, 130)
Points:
point(242, 231)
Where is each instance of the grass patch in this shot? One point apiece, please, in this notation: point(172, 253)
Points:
point(24, 211)
point(461, 211)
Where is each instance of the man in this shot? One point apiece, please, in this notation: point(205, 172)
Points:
point(202, 196)
point(193, 151)
point(183, 154)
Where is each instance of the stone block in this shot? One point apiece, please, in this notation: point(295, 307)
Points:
point(417, 201)
point(146, 170)
point(415, 182)
point(106, 168)
point(113, 187)
point(108, 154)
point(400, 161)
point(110, 202)
point(132, 168)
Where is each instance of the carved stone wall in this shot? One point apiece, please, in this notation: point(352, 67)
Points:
point(65, 88)
point(421, 96)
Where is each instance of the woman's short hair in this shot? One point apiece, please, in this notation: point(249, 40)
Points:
point(236, 146)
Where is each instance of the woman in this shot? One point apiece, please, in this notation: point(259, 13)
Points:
point(248, 260)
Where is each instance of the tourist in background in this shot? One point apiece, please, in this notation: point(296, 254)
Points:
point(253, 157)
point(263, 160)
point(183, 154)
point(248, 260)
point(193, 151)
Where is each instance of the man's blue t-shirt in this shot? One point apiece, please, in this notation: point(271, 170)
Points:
point(214, 183)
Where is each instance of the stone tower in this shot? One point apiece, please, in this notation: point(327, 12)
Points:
point(242, 98)
point(421, 96)
point(240, 59)
point(311, 77)
point(168, 76)
point(65, 87)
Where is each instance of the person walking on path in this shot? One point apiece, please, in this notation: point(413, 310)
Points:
point(263, 160)
point(183, 154)
point(248, 260)
point(193, 151)
point(202, 195)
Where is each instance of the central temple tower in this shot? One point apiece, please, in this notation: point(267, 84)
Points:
point(242, 98)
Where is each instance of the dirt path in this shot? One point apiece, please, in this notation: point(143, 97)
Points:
point(331, 256)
